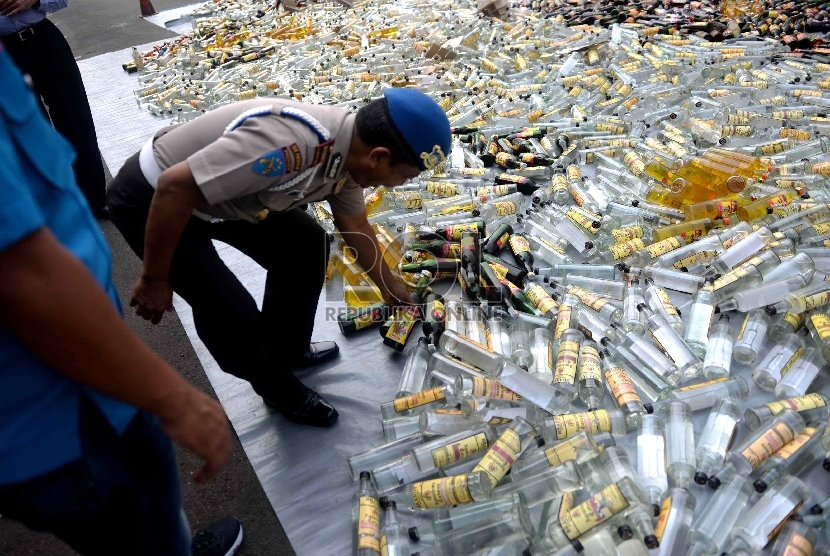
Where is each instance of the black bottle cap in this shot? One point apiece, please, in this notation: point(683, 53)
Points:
point(625, 532)
point(641, 306)
point(679, 313)
point(760, 486)
point(826, 464)
point(577, 545)
point(623, 267)
point(649, 408)
point(527, 552)
point(770, 310)
point(389, 504)
point(589, 245)
point(817, 509)
point(596, 225)
point(714, 483)
point(365, 475)
point(656, 509)
point(413, 534)
point(651, 542)
point(701, 478)
point(540, 441)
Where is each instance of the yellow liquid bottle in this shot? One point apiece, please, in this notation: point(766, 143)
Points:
point(757, 164)
point(374, 199)
point(718, 208)
point(665, 197)
point(762, 206)
point(688, 230)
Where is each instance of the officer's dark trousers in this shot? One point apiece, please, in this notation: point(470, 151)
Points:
point(46, 57)
point(253, 345)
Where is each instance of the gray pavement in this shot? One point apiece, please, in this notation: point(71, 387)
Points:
point(93, 27)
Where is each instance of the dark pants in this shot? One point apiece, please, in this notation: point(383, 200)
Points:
point(47, 58)
point(122, 496)
point(252, 345)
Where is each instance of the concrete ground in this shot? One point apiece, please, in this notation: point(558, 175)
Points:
point(94, 27)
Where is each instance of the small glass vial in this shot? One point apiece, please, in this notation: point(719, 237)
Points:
point(717, 362)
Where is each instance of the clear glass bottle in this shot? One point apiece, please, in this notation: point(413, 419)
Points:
point(394, 540)
point(710, 530)
point(741, 251)
point(479, 408)
point(456, 517)
point(672, 344)
point(632, 320)
point(485, 387)
point(717, 363)
point(812, 407)
point(681, 461)
point(674, 521)
point(567, 363)
point(498, 460)
point(616, 462)
point(704, 394)
point(436, 397)
point(750, 337)
point(660, 303)
point(551, 483)
point(566, 319)
point(446, 491)
point(560, 427)
point(396, 428)
point(520, 345)
point(801, 454)
point(542, 367)
point(762, 521)
point(651, 459)
point(717, 434)
point(378, 455)
point(761, 445)
point(648, 355)
point(366, 518)
point(797, 380)
point(700, 320)
point(497, 531)
point(622, 390)
point(589, 377)
point(448, 450)
point(783, 324)
point(818, 323)
point(795, 539)
point(778, 360)
point(579, 448)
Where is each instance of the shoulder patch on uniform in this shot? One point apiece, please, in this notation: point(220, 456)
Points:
point(298, 158)
point(271, 164)
point(322, 152)
point(338, 187)
point(334, 166)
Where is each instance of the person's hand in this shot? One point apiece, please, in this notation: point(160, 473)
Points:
point(395, 294)
point(14, 7)
point(198, 423)
point(151, 298)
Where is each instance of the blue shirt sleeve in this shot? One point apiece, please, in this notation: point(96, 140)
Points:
point(51, 6)
point(20, 214)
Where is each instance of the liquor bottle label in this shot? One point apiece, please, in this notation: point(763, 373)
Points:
point(821, 229)
point(806, 434)
point(384, 551)
point(438, 493)
point(793, 358)
point(625, 234)
point(662, 518)
point(783, 522)
point(592, 300)
point(566, 361)
point(418, 398)
point(801, 403)
point(540, 298)
point(448, 412)
point(442, 189)
point(582, 220)
point(589, 365)
point(798, 545)
point(621, 386)
point(625, 249)
point(368, 524)
point(571, 424)
point(519, 244)
point(794, 319)
point(559, 183)
point(500, 457)
point(493, 190)
point(743, 328)
point(402, 326)
point(493, 389)
point(766, 445)
point(702, 384)
point(592, 512)
point(563, 320)
point(479, 344)
point(694, 258)
point(665, 301)
point(562, 452)
point(729, 278)
point(816, 300)
point(453, 233)
point(663, 247)
point(552, 245)
point(566, 504)
point(462, 449)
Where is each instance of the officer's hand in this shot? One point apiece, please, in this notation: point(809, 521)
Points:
point(14, 7)
point(151, 298)
point(198, 423)
point(396, 294)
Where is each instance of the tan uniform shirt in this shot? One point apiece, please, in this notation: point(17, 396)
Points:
point(235, 169)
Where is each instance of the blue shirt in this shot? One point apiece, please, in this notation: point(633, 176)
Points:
point(9, 25)
point(38, 405)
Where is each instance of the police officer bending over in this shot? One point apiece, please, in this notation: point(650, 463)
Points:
point(238, 175)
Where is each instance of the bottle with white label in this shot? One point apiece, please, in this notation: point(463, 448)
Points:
point(818, 323)
point(717, 434)
point(778, 360)
point(760, 446)
point(762, 522)
point(704, 394)
point(516, 438)
point(607, 508)
point(674, 521)
point(801, 454)
point(700, 319)
point(672, 343)
point(812, 407)
point(589, 377)
point(502, 529)
point(795, 539)
point(547, 485)
point(394, 540)
point(560, 427)
point(717, 363)
point(660, 302)
point(710, 530)
point(680, 444)
point(801, 375)
point(750, 337)
point(651, 459)
point(632, 320)
point(446, 491)
point(414, 370)
point(616, 462)
point(447, 450)
point(579, 448)
point(366, 518)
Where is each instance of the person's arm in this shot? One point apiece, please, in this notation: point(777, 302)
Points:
point(13, 7)
point(358, 234)
point(173, 203)
point(54, 306)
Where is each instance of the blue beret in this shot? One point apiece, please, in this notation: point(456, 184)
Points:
point(421, 123)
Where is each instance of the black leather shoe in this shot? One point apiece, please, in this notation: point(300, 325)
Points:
point(318, 352)
point(314, 411)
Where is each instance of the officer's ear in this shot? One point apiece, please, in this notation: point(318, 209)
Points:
point(379, 156)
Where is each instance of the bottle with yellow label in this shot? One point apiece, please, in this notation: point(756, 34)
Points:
point(801, 374)
point(800, 455)
point(394, 540)
point(448, 450)
point(814, 296)
point(765, 519)
point(690, 230)
point(516, 438)
point(659, 301)
point(566, 363)
point(750, 336)
point(702, 395)
point(760, 446)
point(812, 407)
point(366, 518)
point(560, 427)
point(674, 521)
point(782, 324)
point(711, 529)
point(778, 360)
point(795, 538)
point(616, 462)
point(444, 492)
point(578, 448)
point(545, 485)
